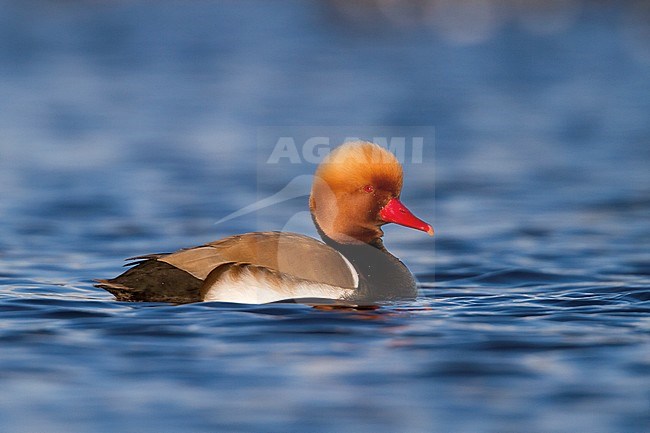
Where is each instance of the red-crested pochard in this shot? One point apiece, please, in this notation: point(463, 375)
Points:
point(355, 191)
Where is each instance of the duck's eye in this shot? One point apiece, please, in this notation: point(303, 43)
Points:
point(369, 189)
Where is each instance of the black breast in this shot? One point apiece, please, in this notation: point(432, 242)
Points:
point(382, 275)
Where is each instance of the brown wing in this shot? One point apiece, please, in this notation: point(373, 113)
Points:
point(299, 256)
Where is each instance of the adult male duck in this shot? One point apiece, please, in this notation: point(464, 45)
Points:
point(355, 191)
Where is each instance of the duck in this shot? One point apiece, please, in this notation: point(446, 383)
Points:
point(355, 191)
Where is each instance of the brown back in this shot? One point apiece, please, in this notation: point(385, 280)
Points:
point(289, 253)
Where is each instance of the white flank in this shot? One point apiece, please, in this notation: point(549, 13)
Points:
point(248, 287)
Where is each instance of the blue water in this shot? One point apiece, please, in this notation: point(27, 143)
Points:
point(132, 127)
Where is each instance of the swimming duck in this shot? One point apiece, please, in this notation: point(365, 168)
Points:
point(355, 191)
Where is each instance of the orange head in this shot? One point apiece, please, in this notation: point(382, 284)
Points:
point(356, 190)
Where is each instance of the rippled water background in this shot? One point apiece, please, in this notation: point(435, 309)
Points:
point(131, 127)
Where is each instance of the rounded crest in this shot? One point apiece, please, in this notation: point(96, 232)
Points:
point(356, 164)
